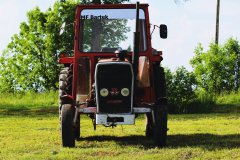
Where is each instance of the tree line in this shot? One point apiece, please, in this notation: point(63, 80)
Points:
point(216, 71)
point(29, 63)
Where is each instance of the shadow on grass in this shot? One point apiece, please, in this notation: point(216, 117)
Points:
point(29, 111)
point(123, 141)
point(206, 141)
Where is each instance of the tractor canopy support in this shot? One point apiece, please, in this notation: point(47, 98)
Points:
point(135, 55)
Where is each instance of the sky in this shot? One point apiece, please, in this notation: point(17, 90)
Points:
point(188, 24)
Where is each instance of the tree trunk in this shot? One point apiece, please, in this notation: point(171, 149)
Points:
point(96, 35)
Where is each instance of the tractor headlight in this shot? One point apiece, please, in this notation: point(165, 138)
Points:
point(125, 92)
point(104, 92)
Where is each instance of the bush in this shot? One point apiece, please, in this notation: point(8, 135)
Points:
point(201, 104)
point(180, 89)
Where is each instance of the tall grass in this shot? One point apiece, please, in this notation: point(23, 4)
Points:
point(228, 103)
point(209, 103)
point(203, 103)
point(229, 99)
point(28, 100)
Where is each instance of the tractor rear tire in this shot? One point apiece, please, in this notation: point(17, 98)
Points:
point(65, 86)
point(67, 128)
point(65, 82)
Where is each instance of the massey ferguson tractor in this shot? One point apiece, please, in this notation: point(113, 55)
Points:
point(114, 74)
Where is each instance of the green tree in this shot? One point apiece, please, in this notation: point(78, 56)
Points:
point(180, 88)
point(30, 60)
point(31, 57)
point(217, 70)
point(104, 34)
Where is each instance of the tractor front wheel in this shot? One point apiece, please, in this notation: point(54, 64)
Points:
point(156, 127)
point(159, 129)
point(77, 128)
point(67, 128)
point(149, 125)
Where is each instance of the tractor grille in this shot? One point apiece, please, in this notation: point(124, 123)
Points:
point(114, 81)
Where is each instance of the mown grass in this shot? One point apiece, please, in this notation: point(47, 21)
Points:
point(29, 129)
point(199, 136)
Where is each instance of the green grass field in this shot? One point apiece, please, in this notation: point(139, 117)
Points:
point(199, 136)
point(29, 129)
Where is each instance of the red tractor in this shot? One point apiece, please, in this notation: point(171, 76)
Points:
point(114, 74)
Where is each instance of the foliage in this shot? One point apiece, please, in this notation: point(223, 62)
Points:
point(204, 102)
point(103, 33)
point(229, 99)
point(205, 136)
point(228, 103)
point(217, 70)
point(180, 89)
point(215, 74)
point(30, 61)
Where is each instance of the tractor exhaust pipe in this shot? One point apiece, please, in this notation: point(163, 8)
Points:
point(135, 55)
